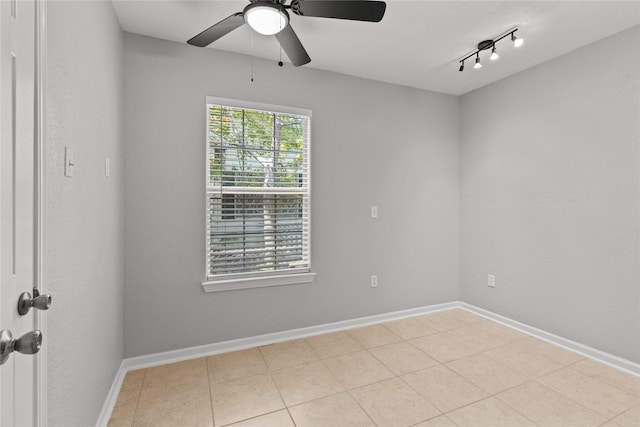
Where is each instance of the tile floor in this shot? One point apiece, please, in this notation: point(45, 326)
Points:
point(450, 368)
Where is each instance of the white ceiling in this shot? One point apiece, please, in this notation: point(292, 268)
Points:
point(417, 44)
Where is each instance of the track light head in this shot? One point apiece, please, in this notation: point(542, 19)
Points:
point(461, 66)
point(478, 64)
point(517, 41)
point(494, 54)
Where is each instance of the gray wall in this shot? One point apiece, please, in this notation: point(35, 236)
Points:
point(550, 196)
point(85, 267)
point(372, 144)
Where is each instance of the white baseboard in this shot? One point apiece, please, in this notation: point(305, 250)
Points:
point(156, 359)
point(162, 358)
point(112, 397)
point(590, 352)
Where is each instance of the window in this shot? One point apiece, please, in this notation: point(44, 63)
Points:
point(258, 191)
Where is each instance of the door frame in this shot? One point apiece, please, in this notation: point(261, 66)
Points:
point(41, 204)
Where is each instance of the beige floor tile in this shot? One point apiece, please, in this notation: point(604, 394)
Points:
point(549, 351)
point(174, 378)
point(183, 371)
point(449, 319)
point(303, 383)
point(275, 419)
point(403, 357)
point(630, 418)
point(527, 364)
point(441, 421)
point(476, 338)
point(547, 407)
point(596, 395)
point(191, 408)
point(337, 410)
point(489, 412)
point(357, 369)
point(467, 316)
point(234, 365)
point(244, 398)
point(504, 332)
point(486, 373)
point(622, 380)
point(482, 357)
point(442, 347)
point(131, 387)
point(373, 336)
point(289, 353)
point(393, 403)
point(444, 388)
point(122, 416)
point(409, 328)
point(334, 344)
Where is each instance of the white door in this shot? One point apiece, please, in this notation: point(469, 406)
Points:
point(18, 210)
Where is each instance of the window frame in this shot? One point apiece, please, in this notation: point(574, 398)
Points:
point(227, 282)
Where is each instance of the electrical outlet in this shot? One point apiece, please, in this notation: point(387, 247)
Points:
point(374, 281)
point(491, 281)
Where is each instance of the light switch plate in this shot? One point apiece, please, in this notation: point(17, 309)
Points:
point(491, 280)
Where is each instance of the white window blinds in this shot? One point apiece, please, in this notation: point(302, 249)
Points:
point(257, 190)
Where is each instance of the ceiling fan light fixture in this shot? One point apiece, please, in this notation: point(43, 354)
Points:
point(270, 17)
point(267, 19)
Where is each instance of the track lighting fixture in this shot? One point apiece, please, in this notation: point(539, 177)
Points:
point(490, 44)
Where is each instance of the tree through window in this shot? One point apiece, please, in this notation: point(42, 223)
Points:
point(257, 191)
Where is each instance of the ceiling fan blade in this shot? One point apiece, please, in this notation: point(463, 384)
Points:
point(292, 46)
point(218, 30)
point(355, 10)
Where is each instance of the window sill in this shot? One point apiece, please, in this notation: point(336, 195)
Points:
point(257, 282)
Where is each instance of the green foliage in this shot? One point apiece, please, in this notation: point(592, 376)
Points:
point(252, 148)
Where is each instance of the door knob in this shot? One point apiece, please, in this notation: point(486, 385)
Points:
point(40, 302)
point(29, 343)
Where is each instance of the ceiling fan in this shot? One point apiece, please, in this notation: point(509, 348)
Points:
point(270, 17)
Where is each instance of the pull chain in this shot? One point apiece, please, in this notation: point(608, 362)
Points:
point(280, 61)
point(252, 55)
